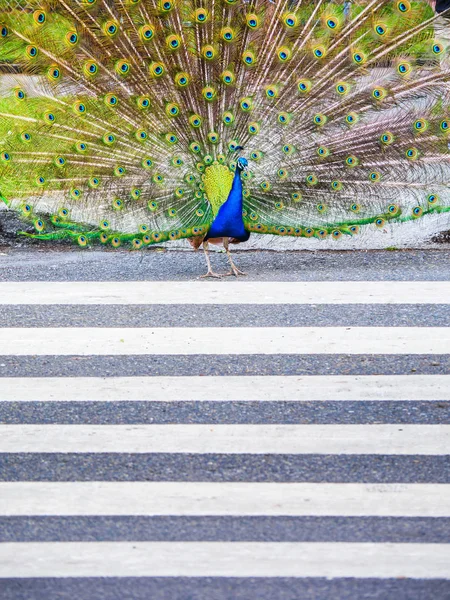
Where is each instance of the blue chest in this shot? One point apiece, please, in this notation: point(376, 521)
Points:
point(228, 221)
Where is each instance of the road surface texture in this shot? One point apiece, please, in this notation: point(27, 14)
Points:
point(285, 436)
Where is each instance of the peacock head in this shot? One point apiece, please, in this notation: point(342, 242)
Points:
point(242, 164)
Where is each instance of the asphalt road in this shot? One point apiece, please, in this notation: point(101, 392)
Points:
point(382, 530)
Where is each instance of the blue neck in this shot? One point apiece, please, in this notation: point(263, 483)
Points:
point(228, 221)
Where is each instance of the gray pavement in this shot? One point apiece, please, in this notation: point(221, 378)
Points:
point(374, 471)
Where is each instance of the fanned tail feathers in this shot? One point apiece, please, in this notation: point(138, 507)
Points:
point(127, 108)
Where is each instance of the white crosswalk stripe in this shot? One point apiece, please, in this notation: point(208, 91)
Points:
point(63, 476)
point(228, 439)
point(317, 388)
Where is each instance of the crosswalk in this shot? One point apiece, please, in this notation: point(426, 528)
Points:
point(231, 439)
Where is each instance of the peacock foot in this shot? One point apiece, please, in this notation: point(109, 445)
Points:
point(235, 271)
point(211, 274)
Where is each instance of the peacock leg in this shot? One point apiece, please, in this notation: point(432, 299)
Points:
point(234, 270)
point(210, 272)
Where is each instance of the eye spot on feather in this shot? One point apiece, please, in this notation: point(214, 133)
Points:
point(208, 52)
point(387, 138)
point(265, 186)
point(135, 193)
point(380, 223)
point(412, 154)
point(228, 118)
point(290, 20)
point(284, 118)
point(288, 149)
point(115, 242)
point(352, 161)
point(253, 21)
point(312, 180)
point(323, 152)
point(156, 69)
point(284, 53)
point(152, 206)
point(404, 7)
point(420, 125)
point(354, 229)
point(171, 138)
point(336, 234)
point(93, 182)
point(117, 204)
point(444, 125)
point(109, 139)
point(31, 51)
point(304, 86)
point(296, 197)
point(172, 109)
point(355, 207)
point(79, 108)
point(322, 234)
point(249, 58)
point(72, 38)
point(321, 208)
point(4, 32)
point(319, 120)
point(404, 68)
point(25, 137)
point(173, 42)
point(104, 225)
point(227, 77)
point(319, 52)
point(417, 212)
point(143, 102)
point(254, 128)
point(195, 121)
point(201, 15)
point(195, 147)
point(336, 185)
point(119, 171)
point(111, 28)
point(379, 93)
point(39, 17)
point(342, 88)
point(438, 48)
point(19, 94)
point(209, 93)
point(433, 199)
point(39, 225)
point(123, 67)
point(374, 176)
point(182, 79)
point(60, 161)
point(146, 32)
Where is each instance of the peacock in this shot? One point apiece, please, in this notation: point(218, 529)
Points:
point(138, 122)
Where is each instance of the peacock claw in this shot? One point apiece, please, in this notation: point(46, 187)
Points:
point(236, 272)
point(211, 274)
